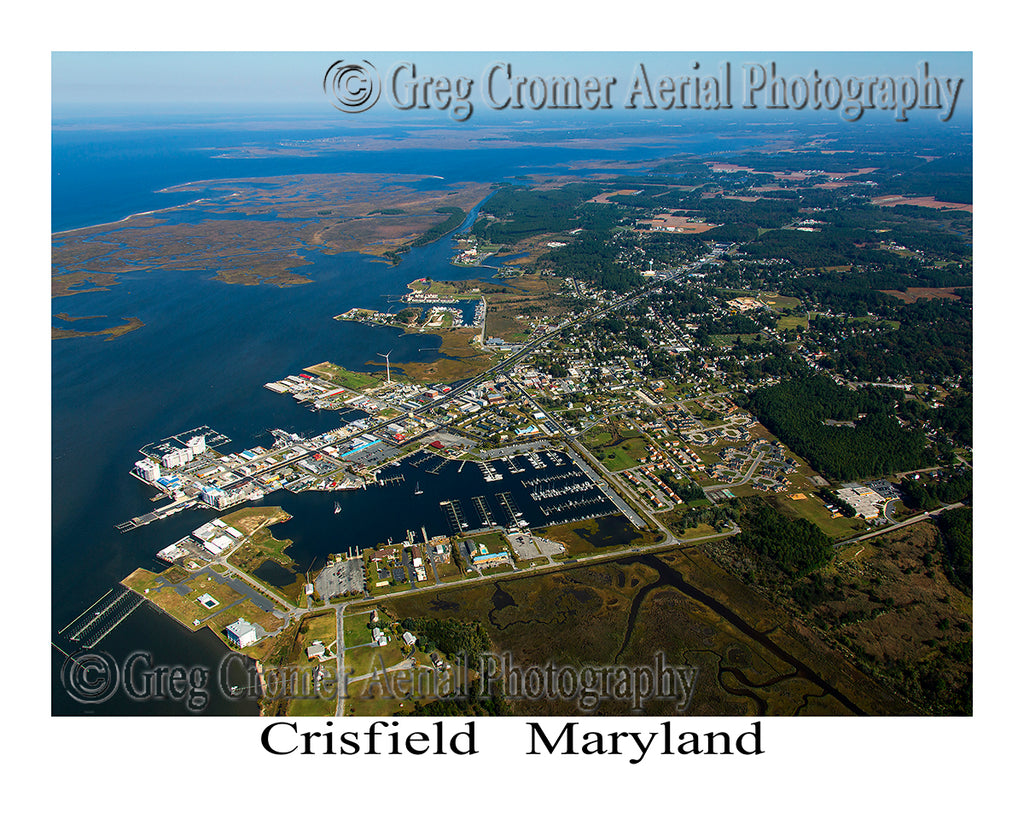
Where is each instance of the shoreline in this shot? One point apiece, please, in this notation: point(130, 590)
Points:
point(129, 217)
point(174, 189)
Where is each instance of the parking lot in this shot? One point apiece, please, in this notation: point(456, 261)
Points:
point(344, 577)
point(528, 547)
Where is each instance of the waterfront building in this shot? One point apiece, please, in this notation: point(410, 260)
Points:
point(147, 470)
point(175, 458)
point(196, 446)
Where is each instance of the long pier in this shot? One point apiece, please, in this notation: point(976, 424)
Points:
point(93, 624)
point(156, 514)
point(483, 509)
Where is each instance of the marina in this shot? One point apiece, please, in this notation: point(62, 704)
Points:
point(98, 620)
point(489, 472)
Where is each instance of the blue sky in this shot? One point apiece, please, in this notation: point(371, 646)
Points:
point(110, 83)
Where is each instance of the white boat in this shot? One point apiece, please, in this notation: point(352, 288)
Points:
point(337, 507)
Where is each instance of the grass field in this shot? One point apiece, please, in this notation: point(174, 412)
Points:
point(670, 519)
point(781, 302)
point(348, 378)
point(812, 509)
point(875, 321)
point(251, 518)
point(186, 610)
point(616, 447)
point(791, 323)
point(183, 607)
point(494, 541)
point(357, 629)
point(730, 340)
point(321, 626)
point(366, 660)
point(260, 546)
point(468, 289)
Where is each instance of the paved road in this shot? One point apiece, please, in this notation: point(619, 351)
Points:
point(610, 489)
point(900, 525)
point(743, 480)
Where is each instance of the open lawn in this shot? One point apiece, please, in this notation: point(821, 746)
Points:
point(494, 541)
point(261, 546)
point(875, 321)
point(616, 447)
point(367, 660)
point(357, 629)
point(780, 302)
point(671, 518)
point(251, 518)
point(321, 626)
point(812, 509)
point(184, 607)
point(446, 570)
point(791, 323)
point(730, 340)
point(468, 289)
point(347, 378)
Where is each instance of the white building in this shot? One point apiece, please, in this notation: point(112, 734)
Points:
point(175, 458)
point(212, 496)
point(147, 470)
point(218, 544)
point(196, 446)
point(242, 633)
point(316, 650)
point(866, 502)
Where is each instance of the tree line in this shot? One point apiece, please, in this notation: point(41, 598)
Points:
point(795, 411)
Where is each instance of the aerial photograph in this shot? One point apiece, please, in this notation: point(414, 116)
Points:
point(513, 384)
